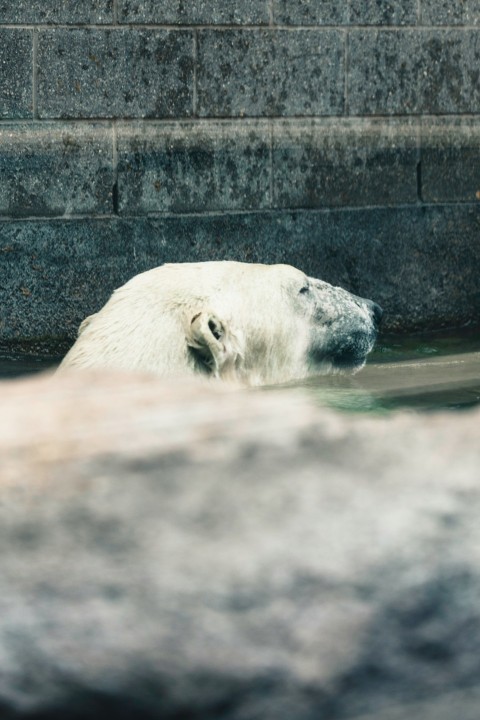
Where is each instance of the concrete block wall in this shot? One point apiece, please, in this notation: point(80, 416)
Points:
point(343, 137)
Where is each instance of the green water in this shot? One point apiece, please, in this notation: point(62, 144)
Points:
point(394, 348)
point(15, 364)
point(417, 372)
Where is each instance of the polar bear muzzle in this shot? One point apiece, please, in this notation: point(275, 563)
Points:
point(345, 330)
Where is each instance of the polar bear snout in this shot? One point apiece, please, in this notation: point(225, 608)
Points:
point(347, 351)
point(352, 353)
point(372, 307)
point(345, 331)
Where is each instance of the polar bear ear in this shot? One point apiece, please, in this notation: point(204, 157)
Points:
point(214, 347)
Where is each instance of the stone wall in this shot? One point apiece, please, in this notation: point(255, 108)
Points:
point(342, 137)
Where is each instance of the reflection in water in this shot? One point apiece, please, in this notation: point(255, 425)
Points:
point(433, 383)
point(14, 365)
point(438, 372)
point(434, 373)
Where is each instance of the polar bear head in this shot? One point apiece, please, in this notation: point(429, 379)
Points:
point(253, 323)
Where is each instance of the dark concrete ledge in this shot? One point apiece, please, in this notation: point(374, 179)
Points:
point(51, 169)
point(450, 158)
point(193, 167)
point(336, 162)
point(56, 169)
point(420, 263)
point(211, 165)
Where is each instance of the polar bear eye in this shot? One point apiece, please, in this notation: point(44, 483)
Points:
point(304, 290)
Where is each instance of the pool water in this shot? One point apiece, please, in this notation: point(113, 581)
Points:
point(418, 347)
point(15, 364)
point(418, 372)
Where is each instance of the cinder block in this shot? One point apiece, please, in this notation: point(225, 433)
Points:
point(383, 12)
point(306, 12)
point(450, 81)
point(200, 12)
point(355, 12)
point(384, 72)
point(115, 73)
point(270, 72)
point(192, 167)
point(56, 11)
point(49, 169)
point(350, 163)
point(16, 73)
point(450, 159)
point(413, 71)
point(451, 12)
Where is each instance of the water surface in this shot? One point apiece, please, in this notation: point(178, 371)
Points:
point(435, 372)
point(15, 364)
point(420, 372)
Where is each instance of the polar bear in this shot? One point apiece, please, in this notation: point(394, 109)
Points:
point(256, 324)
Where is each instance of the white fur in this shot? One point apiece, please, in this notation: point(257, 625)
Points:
point(247, 322)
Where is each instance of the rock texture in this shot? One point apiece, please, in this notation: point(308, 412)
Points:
point(202, 552)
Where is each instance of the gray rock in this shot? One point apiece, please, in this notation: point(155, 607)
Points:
point(201, 552)
point(450, 82)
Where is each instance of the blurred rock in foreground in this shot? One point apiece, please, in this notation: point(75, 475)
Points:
point(199, 553)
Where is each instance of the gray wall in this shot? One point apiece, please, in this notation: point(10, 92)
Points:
point(343, 137)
